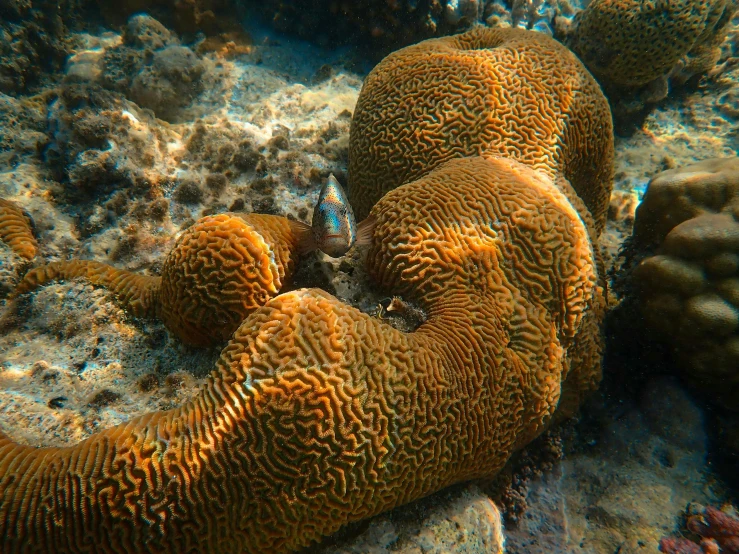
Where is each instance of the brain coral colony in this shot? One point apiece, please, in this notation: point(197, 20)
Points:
point(638, 49)
point(318, 414)
point(160, 173)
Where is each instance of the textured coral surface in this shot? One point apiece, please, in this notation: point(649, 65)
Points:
point(688, 284)
point(318, 414)
point(16, 230)
point(633, 42)
point(501, 91)
point(221, 269)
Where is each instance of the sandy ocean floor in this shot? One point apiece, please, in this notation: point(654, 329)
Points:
point(271, 122)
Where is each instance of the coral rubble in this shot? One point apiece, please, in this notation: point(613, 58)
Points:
point(34, 40)
point(212, 17)
point(378, 22)
point(152, 68)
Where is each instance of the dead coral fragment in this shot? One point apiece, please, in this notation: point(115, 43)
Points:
point(453, 97)
point(318, 414)
point(16, 229)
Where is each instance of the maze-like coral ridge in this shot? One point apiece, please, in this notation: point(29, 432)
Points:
point(16, 231)
point(505, 92)
point(318, 414)
point(221, 269)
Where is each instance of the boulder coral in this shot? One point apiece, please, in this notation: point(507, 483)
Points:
point(631, 43)
point(506, 92)
point(220, 270)
point(317, 414)
point(687, 232)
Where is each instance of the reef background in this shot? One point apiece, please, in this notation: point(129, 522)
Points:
point(116, 133)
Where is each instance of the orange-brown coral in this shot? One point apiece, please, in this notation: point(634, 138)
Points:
point(318, 414)
point(631, 43)
point(688, 284)
point(16, 230)
point(139, 294)
point(220, 270)
point(506, 92)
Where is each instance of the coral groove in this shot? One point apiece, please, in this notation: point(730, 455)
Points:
point(318, 414)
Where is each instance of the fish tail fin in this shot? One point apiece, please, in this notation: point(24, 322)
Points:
point(366, 230)
point(305, 242)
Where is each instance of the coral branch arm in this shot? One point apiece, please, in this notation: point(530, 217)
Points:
point(136, 293)
point(15, 229)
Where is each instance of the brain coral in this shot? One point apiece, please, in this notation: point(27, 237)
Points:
point(318, 414)
point(688, 282)
point(220, 270)
point(506, 92)
point(16, 230)
point(633, 42)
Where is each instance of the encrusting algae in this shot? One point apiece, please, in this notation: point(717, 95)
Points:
point(317, 414)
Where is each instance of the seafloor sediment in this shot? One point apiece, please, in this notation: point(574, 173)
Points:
point(138, 134)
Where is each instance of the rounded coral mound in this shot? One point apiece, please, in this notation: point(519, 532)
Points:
point(221, 269)
point(631, 43)
point(688, 285)
point(504, 92)
point(318, 414)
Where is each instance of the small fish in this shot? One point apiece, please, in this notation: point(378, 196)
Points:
point(334, 229)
